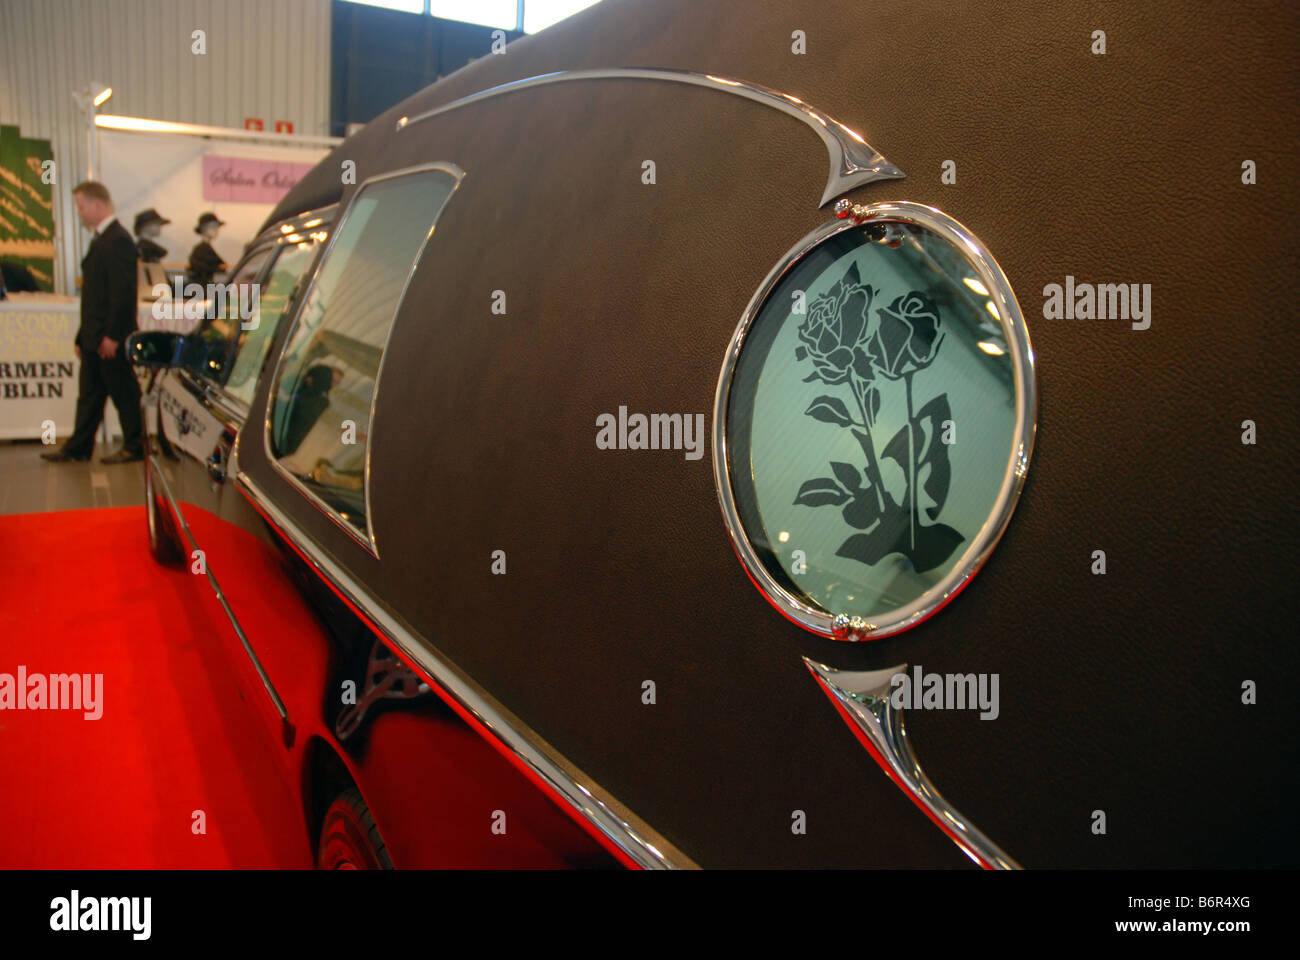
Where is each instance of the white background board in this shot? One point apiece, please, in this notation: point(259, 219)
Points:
point(165, 171)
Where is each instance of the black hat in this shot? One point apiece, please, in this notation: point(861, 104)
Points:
point(146, 217)
point(206, 219)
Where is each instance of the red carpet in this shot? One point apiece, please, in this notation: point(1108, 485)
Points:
point(81, 594)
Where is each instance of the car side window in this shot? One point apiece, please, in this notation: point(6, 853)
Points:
point(275, 297)
point(213, 341)
point(325, 384)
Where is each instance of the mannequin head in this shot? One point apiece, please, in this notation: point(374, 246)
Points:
point(149, 223)
point(209, 226)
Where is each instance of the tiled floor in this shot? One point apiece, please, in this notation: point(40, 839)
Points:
point(29, 484)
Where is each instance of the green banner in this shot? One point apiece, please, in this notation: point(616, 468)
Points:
point(27, 204)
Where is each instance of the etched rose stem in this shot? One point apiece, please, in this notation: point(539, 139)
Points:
point(870, 445)
point(911, 460)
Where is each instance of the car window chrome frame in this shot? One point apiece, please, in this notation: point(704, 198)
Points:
point(842, 627)
point(261, 244)
point(278, 239)
point(367, 538)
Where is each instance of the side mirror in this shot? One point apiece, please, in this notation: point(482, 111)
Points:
point(153, 349)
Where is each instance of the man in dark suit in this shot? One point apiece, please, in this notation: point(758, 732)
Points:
point(108, 292)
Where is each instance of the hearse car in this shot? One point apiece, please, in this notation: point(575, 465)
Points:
point(652, 449)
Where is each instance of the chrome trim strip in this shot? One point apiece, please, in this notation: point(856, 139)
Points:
point(628, 832)
point(866, 698)
point(367, 539)
point(230, 409)
point(236, 408)
point(298, 222)
point(216, 588)
point(853, 161)
point(1022, 446)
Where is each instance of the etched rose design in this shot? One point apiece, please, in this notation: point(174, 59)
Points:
point(834, 331)
point(846, 348)
point(907, 337)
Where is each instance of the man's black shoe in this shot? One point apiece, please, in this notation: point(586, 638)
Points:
point(123, 456)
point(59, 456)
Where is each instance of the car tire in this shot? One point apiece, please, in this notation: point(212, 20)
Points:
point(349, 839)
point(162, 536)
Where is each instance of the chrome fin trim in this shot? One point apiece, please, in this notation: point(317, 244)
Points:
point(636, 839)
point(863, 699)
point(853, 161)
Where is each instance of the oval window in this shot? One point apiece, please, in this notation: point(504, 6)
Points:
point(877, 417)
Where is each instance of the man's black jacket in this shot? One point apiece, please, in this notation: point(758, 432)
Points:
point(108, 288)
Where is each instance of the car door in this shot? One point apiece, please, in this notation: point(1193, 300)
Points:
point(259, 603)
point(197, 430)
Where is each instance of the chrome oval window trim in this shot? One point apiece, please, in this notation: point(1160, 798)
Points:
point(853, 161)
point(366, 539)
point(1017, 338)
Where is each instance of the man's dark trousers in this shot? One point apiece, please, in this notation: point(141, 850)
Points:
point(99, 380)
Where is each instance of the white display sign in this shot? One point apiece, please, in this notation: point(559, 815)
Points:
point(39, 366)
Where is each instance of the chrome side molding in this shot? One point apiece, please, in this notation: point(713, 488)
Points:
point(636, 840)
point(863, 700)
point(267, 685)
point(853, 161)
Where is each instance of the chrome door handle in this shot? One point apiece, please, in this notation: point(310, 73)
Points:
point(217, 465)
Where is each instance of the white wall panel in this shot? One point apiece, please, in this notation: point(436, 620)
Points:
point(265, 58)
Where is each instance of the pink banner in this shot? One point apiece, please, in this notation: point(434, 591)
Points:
point(238, 180)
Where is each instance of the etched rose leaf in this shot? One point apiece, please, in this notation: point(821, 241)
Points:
point(932, 460)
point(830, 410)
point(847, 474)
point(820, 492)
point(925, 546)
point(933, 544)
point(861, 507)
